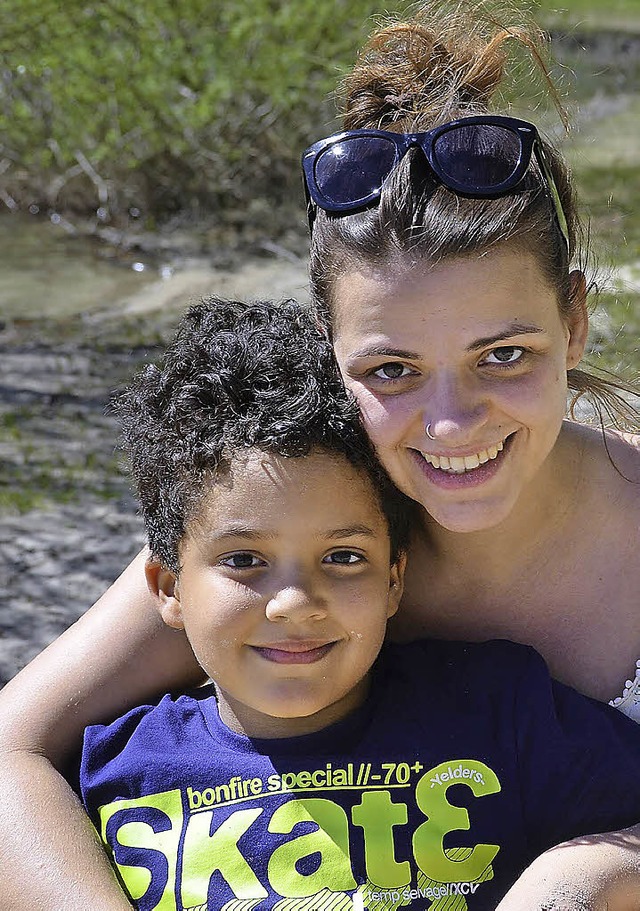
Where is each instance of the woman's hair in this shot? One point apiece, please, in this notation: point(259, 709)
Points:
point(451, 61)
point(239, 377)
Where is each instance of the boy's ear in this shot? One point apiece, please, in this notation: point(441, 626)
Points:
point(578, 319)
point(396, 583)
point(164, 586)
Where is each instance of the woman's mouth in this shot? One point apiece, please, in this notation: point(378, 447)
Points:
point(460, 464)
point(455, 471)
point(294, 652)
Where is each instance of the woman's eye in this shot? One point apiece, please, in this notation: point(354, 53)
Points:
point(343, 558)
point(507, 355)
point(242, 560)
point(391, 371)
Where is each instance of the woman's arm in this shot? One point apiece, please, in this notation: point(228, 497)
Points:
point(50, 857)
point(119, 654)
point(592, 873)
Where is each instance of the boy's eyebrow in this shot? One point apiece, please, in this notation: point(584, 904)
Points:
point(251, 533)
point(242, 531)
point(350, 530)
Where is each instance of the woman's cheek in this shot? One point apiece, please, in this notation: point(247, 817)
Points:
point(382, 416)
point(539, 396)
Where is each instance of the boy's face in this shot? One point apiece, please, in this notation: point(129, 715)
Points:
point(285, 590)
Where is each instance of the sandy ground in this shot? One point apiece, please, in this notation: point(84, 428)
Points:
point(56, 559)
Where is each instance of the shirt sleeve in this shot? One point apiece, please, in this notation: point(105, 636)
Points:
point(579, 761)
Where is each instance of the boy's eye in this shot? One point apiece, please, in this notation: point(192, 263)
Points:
point(394, 370)
point(509, 354)
point(242, 560)
point(343, 558)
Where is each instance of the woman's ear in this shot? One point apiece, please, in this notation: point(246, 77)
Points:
point(396, 583)
point(578, 322)
point(164, 586)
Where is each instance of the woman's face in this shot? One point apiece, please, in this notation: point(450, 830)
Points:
point(475, 349)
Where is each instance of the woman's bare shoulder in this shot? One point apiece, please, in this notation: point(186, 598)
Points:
point(624, 451)
point(631, 439)
point(606, 466)
point(611, 455)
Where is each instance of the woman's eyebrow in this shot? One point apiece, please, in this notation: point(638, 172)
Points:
point(507, 332)
point(385, 351)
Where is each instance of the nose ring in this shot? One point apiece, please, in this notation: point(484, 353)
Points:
point(427, 430)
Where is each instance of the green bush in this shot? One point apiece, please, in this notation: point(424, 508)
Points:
point(163, 106)
point(156, 107)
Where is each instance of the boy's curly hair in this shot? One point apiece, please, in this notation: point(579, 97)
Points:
point(238, 376)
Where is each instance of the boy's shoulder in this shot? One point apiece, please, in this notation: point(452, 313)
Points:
point(162, 726)
point(496, 678)
point(463, 675)
point(431, 682)
point(455, 664)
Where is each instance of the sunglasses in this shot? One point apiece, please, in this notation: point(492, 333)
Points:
point(479, 157)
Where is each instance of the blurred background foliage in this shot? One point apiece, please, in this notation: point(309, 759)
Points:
point(157, 106)
point(141, 110)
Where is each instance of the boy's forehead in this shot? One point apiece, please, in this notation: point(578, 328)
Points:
point(257, 488)
point(259, 467)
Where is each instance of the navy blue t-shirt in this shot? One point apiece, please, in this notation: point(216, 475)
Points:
point(464, 764)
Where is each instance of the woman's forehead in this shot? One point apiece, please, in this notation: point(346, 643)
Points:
point(471, 298)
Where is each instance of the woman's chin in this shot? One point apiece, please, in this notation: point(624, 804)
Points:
point(467, 518)
point(461, 503)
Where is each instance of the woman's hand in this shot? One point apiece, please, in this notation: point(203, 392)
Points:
point(591, 873)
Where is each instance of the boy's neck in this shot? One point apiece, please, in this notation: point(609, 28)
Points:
point(243, 719)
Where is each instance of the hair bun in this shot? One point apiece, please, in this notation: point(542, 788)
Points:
point(448, 61)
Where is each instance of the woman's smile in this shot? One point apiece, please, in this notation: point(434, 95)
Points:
point(455, 471)
point(459, 464)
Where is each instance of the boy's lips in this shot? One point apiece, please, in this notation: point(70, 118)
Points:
point(295, 651)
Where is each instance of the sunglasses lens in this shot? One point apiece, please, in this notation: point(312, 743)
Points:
point(478, 156)
point(352, 170)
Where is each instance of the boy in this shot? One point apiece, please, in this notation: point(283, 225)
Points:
point(315, 773)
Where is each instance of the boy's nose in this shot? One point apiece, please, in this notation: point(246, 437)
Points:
point(297, 603)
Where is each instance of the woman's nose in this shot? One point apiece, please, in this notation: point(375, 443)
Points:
point(297, 603)
point(454, 408)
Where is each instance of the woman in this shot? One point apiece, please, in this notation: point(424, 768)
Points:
point(442, 270)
